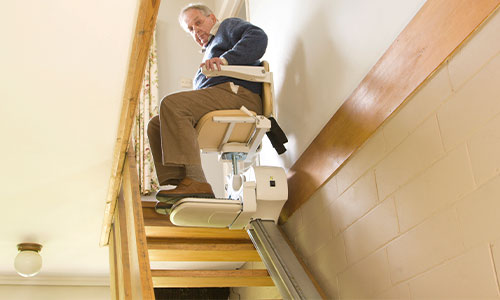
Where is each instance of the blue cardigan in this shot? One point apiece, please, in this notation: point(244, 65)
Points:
point(240, 43)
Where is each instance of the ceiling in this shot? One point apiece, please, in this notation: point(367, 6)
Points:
point(62, 77)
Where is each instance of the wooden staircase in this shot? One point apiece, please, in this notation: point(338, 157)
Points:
point(167, 242)
point(139, 236)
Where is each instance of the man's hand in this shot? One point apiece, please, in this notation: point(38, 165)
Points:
point(213, 63)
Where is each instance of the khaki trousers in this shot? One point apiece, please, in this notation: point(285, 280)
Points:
point(172, 134)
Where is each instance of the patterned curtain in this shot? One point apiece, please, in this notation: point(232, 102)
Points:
point(147, 108)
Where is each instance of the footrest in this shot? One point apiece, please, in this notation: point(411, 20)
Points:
point(201, 212)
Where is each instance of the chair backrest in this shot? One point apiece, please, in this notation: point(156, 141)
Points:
point(211, 134)
point(267, 95)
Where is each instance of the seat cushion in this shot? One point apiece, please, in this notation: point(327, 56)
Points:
point(211, 134)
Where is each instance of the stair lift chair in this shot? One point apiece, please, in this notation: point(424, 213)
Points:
point(255, 197)
point(237, 135)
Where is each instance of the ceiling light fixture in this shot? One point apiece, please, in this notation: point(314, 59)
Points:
point(28, 261)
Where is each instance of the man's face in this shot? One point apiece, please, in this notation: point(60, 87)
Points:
point(198, 25)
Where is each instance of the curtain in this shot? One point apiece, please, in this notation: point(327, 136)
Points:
point(147, 108)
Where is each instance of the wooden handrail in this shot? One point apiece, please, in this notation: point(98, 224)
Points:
point(144, 28)
point(437, 30)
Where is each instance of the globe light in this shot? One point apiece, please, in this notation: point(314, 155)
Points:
point(28, 261)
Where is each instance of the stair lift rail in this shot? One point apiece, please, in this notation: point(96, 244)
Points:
point(287, 272)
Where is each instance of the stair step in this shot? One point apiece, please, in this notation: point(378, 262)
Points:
point(189, 249)
point(210, 278)
point(159, 226)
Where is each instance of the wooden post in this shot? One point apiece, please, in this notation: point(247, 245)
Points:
point(113, 264)
point(129, 260)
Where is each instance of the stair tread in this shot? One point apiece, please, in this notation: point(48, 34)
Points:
point(209, 273)
point(211, 278)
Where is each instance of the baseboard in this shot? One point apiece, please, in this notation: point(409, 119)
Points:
point(55, 280)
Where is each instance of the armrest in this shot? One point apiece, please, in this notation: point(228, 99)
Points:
point(249, 73)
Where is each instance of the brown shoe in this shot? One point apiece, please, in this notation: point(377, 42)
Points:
point(186, 188)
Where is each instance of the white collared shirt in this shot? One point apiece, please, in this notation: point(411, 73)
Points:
point(215, 28)
point(213, 32)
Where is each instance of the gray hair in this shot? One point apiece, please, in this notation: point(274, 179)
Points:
point(201, 7)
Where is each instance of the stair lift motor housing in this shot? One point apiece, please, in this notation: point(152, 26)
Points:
point(271, 192)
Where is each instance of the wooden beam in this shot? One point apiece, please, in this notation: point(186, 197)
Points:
point(430, 38)
point(201, 250)
point(191, 244)
point(203, 255)
point(204, 252)
point(119, 266)
point(218, 278)
point(144, 28)
point(188, 249)
point(120, 246)
point(129, 261)
point(194, 232)
point(113, 265)
point(132, 230)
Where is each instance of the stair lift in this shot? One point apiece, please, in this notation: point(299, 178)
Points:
point(256, 194)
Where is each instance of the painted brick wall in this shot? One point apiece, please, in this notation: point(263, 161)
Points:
point(415, 213)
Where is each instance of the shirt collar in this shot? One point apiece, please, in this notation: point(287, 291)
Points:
point(213, 32)
point(215, 28)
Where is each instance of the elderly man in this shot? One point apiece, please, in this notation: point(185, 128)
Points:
point(172, 133)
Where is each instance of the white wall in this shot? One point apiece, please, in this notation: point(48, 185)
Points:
point(319, 51)
point(178, 55)
point(30, 292)
point(62, 77)
point(414, 214)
